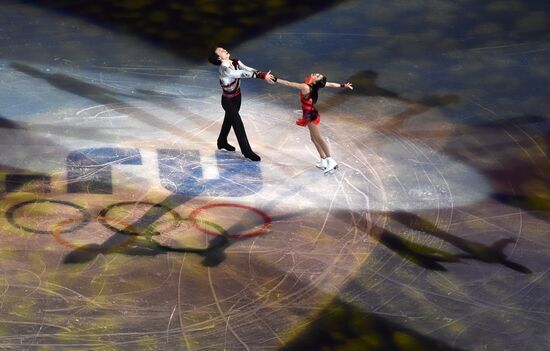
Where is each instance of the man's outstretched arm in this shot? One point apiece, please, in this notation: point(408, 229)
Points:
point(243, 71)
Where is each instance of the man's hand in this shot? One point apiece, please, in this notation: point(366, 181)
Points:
point(348, 85)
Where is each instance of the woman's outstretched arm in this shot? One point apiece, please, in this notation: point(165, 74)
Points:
point(302, 86)
point(347, 85)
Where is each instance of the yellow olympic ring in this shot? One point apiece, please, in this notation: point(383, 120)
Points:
point(56, 232)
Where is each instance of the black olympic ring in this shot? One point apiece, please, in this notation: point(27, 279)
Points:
point(10, 215)
point(129, 230)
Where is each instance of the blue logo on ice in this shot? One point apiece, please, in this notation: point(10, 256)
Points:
point(90, 171)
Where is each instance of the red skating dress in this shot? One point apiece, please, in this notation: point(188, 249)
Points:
point(309, 112)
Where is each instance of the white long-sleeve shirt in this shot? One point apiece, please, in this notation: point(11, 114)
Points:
point(231, 74)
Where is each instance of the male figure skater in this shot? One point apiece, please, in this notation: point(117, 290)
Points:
point(231, 72)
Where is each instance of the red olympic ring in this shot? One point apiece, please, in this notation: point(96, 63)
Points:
point(56, 232)
point(265, 227)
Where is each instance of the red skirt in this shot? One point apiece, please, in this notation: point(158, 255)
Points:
point(309, 116)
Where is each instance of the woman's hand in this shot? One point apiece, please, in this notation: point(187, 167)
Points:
point(270, 78)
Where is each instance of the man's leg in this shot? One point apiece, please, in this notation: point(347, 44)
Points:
point(226, 127)
point(234, 105)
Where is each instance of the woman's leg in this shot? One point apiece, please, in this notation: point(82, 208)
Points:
point(330, 164)
point(317, 146)
point(317, 139)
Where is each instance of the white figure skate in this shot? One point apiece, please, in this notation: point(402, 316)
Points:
point(322, 163)
point(331, 166)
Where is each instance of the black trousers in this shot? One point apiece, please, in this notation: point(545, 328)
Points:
point(232, 118)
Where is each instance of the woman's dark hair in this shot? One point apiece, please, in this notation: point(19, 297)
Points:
point(213, 58)
point(315, 88)
point(321, 82)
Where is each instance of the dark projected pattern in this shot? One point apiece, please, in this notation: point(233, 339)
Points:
point(190, 28)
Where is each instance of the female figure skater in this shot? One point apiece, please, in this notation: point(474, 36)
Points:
point(310, 116)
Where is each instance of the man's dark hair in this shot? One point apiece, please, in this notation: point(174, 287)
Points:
point(213, 57)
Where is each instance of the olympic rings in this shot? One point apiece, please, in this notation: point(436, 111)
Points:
point(57, 235)
point(265, 227)
point(128, 229)
point(11, 218)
